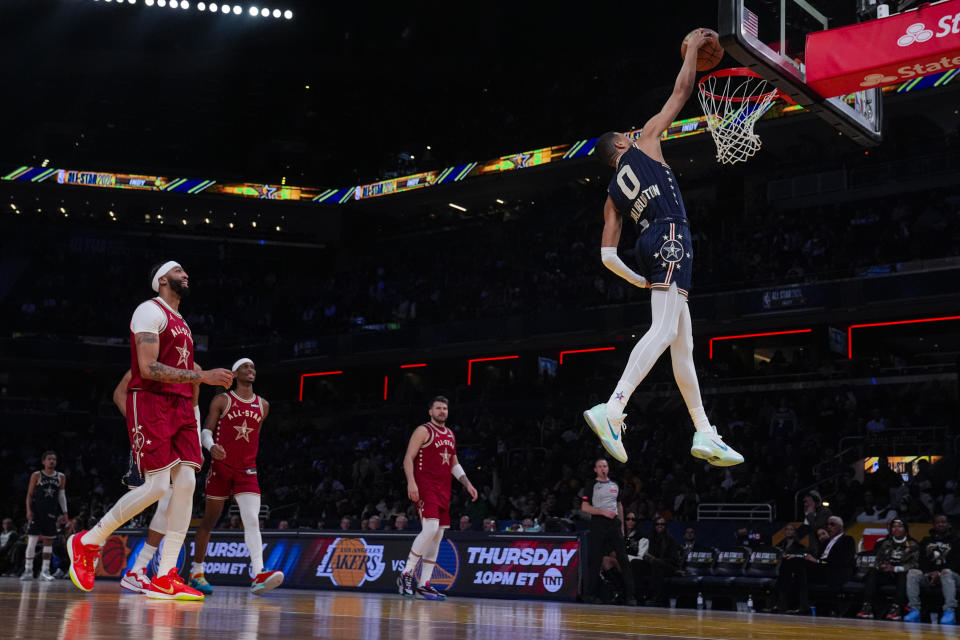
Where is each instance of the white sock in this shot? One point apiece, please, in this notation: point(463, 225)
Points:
point(249, 504)
point(196, 569)
point(427, 571)
point(178, 516)
point(130, 504)
point(144, 557)
point(665, 310)
point(700, 421)
point(412, 561)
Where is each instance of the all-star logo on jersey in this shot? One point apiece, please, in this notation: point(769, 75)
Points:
point(671, 251)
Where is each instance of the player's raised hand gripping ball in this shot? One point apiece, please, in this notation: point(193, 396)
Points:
point(710, 52)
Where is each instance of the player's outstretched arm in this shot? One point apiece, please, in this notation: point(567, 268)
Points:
point(120, 393)
point(682, 89)
point(417, 440)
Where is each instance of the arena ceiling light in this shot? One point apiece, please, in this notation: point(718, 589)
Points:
point(255, 11)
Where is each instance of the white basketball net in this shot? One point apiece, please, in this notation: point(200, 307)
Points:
point(733, 104)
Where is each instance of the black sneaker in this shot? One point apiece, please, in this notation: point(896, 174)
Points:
point(427, 592)
point(894, 612)
point(405, 585)
point(866, 611)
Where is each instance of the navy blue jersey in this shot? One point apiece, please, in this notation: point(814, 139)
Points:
point(645, 189)
point(46, 494)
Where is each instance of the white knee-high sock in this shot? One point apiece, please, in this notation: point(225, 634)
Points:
point(249, 504)
point(31, 553)
point(421, 543)
point(665, 307)
point(178, 516)
point(685, 373)
point(129, 505)
point(430, 557)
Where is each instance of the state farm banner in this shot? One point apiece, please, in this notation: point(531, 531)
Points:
point(543, 566)
point(884, 51)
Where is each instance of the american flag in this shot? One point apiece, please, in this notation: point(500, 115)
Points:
point(750, 23)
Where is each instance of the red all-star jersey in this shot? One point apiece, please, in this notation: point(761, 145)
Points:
point(433, 464)
point(238, 431)
point(176, 350)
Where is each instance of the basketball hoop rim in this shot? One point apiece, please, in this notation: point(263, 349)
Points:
point(737, 71)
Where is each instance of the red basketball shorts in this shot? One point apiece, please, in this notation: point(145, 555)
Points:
point(224, 481)
point(434, 504)
point(163, 431)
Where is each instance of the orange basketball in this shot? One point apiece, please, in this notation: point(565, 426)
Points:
point(710, 53)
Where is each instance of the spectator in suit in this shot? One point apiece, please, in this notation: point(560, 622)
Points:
point(833, 564)
point(792, 581)
point(897, 554)
point(938, 564)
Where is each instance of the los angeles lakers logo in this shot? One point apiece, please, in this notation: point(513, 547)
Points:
point(349, 562)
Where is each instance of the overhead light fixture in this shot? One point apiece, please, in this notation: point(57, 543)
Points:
point(201, 6)
point(265, 12)
point(174, 4)
point(254, 11)
point(212, 7)
point(456, 206)
point(237, 10)
point(276, 13)
point(288, 14)
point(499, 201)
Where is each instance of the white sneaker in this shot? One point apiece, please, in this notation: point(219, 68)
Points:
point(135, 581)
point(46, 577)
point(711, 447)
point(609, 432)
point(27, 575)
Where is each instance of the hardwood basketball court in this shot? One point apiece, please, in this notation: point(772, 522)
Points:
point(57, 610)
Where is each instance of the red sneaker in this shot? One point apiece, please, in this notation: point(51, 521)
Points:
point(266, 581)
point(171, 587)
point(83, 561)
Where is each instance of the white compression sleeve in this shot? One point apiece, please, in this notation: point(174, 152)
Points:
point(249, 504)
point(62, 500)
point(610, 259)
point(178, 516)
point(130, 504)
point(681, 353)
point(665, 307)
point(158, 522)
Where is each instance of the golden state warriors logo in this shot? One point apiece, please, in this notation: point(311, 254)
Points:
point(349, 562)
point(447, 569)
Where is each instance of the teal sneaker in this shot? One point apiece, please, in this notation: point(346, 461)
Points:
point(710, 447)
point(610, 433)
point(199, 582)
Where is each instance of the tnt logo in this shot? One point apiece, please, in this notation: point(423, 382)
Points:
point(552, 580)
point(917, 32)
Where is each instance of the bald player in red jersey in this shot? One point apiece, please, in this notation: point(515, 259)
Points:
point(430, 460)
point(236, 417)
point(164, 430)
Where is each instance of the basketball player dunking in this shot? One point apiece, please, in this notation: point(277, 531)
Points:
point(236, 417)
point(164, 433)
point(136, 579)
point(645, 189)
point(46, 499)
point(430, 459)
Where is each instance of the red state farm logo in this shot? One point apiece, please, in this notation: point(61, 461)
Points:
point(917, 32)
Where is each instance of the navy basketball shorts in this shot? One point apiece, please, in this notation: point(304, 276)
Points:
point(664, 253)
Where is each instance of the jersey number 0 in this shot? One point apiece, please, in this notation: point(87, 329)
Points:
point(624, 176)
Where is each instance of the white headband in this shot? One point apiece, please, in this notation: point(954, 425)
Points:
point(162, 271)
point(240, 362)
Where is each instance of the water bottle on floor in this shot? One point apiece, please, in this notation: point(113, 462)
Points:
point(699, 600)
point(749, 604)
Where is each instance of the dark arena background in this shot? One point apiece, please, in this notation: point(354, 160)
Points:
point(382, 204)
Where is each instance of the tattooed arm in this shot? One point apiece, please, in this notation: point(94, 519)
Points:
point(148, 348)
